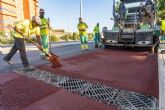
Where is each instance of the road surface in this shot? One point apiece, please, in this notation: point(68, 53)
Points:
point(64, 49)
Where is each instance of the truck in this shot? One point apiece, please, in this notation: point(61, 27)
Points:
point(134, 25)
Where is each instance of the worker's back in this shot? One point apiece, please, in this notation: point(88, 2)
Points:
point(163, 25)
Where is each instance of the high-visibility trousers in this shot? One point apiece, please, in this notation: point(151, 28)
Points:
point(97, 39)
point(84, 41)
point(45, 43)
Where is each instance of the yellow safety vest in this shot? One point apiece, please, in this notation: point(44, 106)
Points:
point(82, 28)
point(163, 25)
point(26, 27)
point(96, 29)
point(44, 27)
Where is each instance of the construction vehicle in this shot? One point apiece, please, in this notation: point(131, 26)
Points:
point(135, 27)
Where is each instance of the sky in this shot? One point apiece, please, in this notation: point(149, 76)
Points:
point(64, 14)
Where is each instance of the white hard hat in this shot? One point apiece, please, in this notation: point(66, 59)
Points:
point(36, 19)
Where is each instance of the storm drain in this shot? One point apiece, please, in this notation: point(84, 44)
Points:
point(125, 100)
point(135, 101)
point(74, 85)
point(101, 93)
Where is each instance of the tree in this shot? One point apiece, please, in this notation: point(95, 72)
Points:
point(161, 9)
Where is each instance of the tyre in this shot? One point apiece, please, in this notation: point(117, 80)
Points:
point(106, 46)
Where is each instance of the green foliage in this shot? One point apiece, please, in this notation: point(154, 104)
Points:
point(161, 9)
point(54, 38)
point(76, 36)
point(4, 39)
point(2, 33)
point(70, 36)
point(90, 36)
point(65, 37)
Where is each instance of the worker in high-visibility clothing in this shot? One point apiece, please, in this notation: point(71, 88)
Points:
point(163, 31)
point(97, 38)
point(122, 10)
point(116, 11)
point(21, 31)
point(117, 7)
point(82, 28)
point(157, 28)
point(44, 32)
point(163, 25)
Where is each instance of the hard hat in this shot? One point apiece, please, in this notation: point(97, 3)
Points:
point(36, 19)
point(42, 10)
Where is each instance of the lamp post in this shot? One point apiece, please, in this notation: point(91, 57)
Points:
point(81, 8)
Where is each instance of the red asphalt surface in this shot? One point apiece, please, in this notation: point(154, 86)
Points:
point(21, 93)
point(130, 70)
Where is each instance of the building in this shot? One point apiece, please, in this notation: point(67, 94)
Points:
point(15, 10)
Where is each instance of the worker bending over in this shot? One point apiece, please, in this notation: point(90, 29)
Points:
point(21, 31)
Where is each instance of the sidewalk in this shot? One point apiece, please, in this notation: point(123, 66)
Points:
point(161, 64)
point(30, 47)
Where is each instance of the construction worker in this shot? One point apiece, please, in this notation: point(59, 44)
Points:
point(97, 38)
point(163, 25)
point(157, 28)
point(116, 11)
point(117, 7)
point(122, 11)
point(82, 28)
point(21, 31)
point(44, 32)
point(163, 31)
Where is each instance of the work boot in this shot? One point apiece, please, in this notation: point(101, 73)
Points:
point(96, 46)
point(44, 57)
point(8, 62)
point(29, 68)
point(82, 50)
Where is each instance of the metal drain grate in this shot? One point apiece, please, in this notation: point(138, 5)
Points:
point(135, 101)
point(44, 76)
point(125, 100)
point(101, 93)
point(73, 85)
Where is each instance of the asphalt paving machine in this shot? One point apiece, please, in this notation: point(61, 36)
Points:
point(134, 25)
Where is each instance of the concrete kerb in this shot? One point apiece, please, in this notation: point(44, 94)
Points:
point(161, 73)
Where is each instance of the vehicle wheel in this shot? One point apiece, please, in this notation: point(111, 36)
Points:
point(106, 46)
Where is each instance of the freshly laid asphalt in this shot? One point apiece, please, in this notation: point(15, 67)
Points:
point(16, 88)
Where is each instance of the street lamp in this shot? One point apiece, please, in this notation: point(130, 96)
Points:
point(81, 8)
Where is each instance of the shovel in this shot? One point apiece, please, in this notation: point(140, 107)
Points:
point(51, 56)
